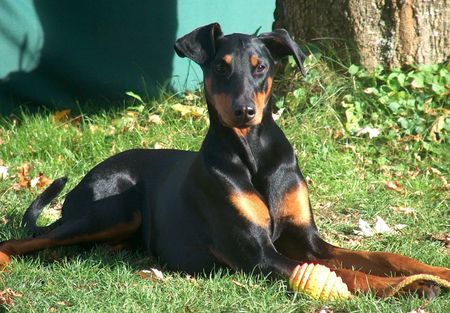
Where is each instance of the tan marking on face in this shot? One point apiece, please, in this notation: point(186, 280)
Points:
point(227, 58)
point(251, 207)
point(261, 99)
point(221, 102)
point(254, 60)
point(295, 206)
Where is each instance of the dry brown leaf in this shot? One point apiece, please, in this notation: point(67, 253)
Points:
point(338, 134)
point(62, 116)
point(413, 174)
point(394, 185)
point(409, 138)
point(435, 171)
point(76, 121)
point(40, 181)
point(153, 274)
point(442, 237)
point(436, 128)
point(7, 297)
point(24, 180)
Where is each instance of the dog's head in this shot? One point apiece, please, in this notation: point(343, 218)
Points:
point(238, 70)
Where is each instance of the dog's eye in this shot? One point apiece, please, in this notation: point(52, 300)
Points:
point(260, 68)
point(220, 68)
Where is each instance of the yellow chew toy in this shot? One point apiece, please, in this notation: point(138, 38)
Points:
point(319, 282)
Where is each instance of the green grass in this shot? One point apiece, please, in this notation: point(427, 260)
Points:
point(346, 178)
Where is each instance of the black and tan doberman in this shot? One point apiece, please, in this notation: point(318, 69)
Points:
point(240, 202)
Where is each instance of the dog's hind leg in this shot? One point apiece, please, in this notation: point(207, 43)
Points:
point(73, 232)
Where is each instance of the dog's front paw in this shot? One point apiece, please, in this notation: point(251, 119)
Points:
point(424, 288)
point(425, 285)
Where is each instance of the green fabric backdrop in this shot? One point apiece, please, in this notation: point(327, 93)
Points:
point(58, 52)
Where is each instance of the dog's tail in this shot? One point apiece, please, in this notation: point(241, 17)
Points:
point(34, 210)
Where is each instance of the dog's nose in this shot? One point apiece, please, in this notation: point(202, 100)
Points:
point(245, 113)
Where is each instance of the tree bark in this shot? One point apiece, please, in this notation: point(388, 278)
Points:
point(392, 33)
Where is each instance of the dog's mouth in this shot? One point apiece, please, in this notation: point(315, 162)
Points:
point(236, 123)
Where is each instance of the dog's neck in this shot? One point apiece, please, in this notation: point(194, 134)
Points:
point(249, 144)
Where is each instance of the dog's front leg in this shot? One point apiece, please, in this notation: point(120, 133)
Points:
point(361, 270)
point(241, 236)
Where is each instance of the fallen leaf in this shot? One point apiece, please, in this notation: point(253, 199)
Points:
point(435, 171)
point(188, 110)
point(7, 297)
point(409, 138)
point(76, 121)
point(372, 132)
point(191, 279)
point(364, 229)
point(394, 185)
point(3, 172)
point(413, 174)
point(190, 96)
point(436, 128)
point(155, 119)
point(153, 274)
point(442, 237)
point(24, 180)
point(159, 145)
point(338, 134)
point(400, 226)
point(40, 181)
point(406, 211)
point(62, 116)
point(419, 310)
point(277, 116)
point(381, 226)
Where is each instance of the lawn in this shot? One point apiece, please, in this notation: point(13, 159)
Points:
point(350, 177)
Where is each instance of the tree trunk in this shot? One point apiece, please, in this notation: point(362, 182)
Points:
point(392, 33)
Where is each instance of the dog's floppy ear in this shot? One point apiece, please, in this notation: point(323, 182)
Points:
point(280, 44)
point(200, 44)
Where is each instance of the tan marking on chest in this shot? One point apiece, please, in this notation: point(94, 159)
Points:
point(295, 206)
point(251, 207)
point(241, 132)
